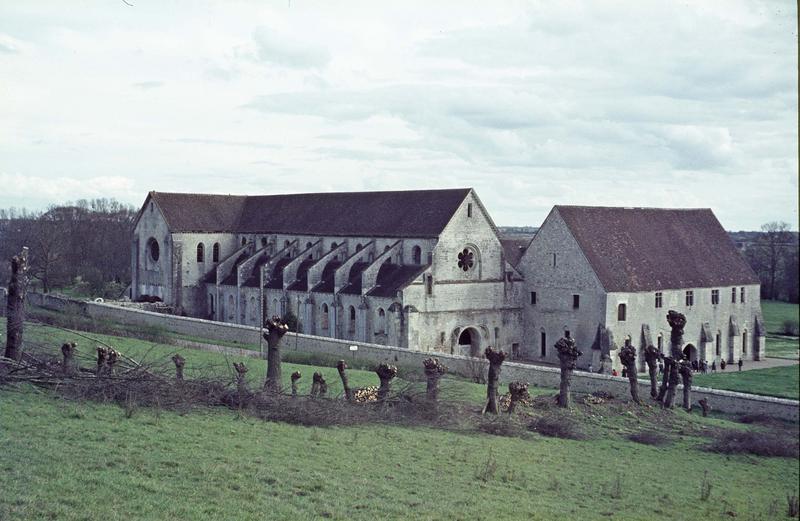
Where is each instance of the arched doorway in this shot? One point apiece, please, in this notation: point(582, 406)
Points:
point(690, 352)
point(469, 342)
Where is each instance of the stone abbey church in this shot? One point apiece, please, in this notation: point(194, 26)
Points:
point(428, 270)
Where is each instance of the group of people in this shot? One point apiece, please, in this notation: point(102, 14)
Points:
point(701, 366)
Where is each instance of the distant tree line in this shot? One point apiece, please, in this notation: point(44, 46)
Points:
point(83, 245)
point(773, 255)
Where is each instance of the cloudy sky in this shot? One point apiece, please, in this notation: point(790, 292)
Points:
point(632, 103)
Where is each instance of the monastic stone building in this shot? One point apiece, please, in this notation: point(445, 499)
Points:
point(427, 270)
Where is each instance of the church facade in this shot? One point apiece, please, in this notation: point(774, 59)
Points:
point(428, 270)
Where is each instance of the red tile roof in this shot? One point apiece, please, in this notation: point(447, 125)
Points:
point(646, 249)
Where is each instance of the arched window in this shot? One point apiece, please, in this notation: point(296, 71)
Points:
point(211, 305)
point(324, 324)
point(286, 243)
point(231, 307)
point(352, 323)
point(381, 325)
point(387, 248)
point(334, 246)
point(153, 251)
point(309, 245)
point(253, 310)
point(543, 344)
point(201, 253)
point(621, 312)
point(244, 241)
point(466, 259)
point(359, 247)
point(215, 252)
point(263, 242)
point(744, 342)
point(416, 255)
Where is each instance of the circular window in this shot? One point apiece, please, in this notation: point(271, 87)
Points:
point(152, 247)
point(466, 259)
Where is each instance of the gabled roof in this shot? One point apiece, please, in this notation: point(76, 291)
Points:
point(646, 249)
point(412, 213)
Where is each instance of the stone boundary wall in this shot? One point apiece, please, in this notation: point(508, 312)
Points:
point(724, 401)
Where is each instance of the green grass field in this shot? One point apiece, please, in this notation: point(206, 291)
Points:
point(776, 313)
point(86, 460)
point(774, 381)
point(65, 460)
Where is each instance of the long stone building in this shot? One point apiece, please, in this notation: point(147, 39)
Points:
point(428, 270)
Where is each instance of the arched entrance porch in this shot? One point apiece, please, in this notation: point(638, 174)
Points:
point(469, 342)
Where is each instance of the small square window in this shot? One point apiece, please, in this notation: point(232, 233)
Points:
point(714, 297)
point(469, 209)
point(576, 301)
point(567, 333)
point(659, 299)
point(690, 298)
point(533, 297)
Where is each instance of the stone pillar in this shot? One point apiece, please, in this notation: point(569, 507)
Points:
point(362, 318)
point(309, 326)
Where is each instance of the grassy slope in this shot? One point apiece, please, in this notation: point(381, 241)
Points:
point(775, 381)
point(87, 461)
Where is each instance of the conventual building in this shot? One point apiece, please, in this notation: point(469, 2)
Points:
point(428, 270)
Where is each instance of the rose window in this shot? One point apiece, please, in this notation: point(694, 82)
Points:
point(466, 259)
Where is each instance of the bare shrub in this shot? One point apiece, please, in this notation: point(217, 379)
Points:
point(501, 426)
point(790, 327)
point(766, 444)
point(650, 437)
point(557, 427)
point(488, 470)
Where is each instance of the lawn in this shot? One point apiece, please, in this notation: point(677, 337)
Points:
point(774, 381)
point(776, 313)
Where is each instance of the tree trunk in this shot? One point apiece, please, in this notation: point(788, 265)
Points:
point(341, 366)
point(433, 372)
point(276, 328)
point(68, 362)
point(627, 356)
point(686, 377)
point(295, 377)
point(518, 391)
point(385, 373)
point(102, 353)
point(318, 386)
point(568, 355)
point(651, 356)
point(179, 362)
point(496, 359)
point(662, 391)
point(241, 383)
point(671, 371)
point(15, 306)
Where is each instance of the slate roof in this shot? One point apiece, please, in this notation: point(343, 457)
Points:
point(514, 248)
point(394, 277)
point(412, 213)
point(646, 249)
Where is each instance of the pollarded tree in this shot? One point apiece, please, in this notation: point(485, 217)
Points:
point(385, 373)
point(651, 356)
point(15, 305)
point(627, 355)
point(433, 372)
point(276, 328)
point(677, 321)
point(496, 359)
point(568, 355)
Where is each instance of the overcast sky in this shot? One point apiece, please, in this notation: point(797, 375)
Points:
point(635, 103)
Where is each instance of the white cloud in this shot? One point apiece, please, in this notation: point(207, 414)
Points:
point(533, 103)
